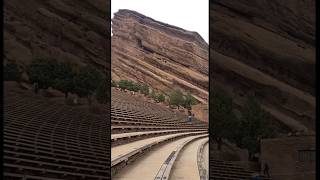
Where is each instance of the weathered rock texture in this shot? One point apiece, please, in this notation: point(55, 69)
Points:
point(68, 30)
point(163, 56)
point(266, 49)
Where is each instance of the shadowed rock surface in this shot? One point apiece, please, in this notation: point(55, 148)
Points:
point(68, 30)
point(266, 49)
point(46, 139)
point(161, 55)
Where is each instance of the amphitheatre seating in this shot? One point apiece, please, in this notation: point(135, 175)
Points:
point(220, 169)
point(44, 139)
point(138, 125)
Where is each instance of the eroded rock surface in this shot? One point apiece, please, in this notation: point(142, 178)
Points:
point(266, 49)
point(68, 30)
point(163, 56)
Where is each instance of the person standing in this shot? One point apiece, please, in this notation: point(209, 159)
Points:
point(36, 87)
point(266, 170)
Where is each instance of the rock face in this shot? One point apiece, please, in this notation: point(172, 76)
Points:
point(266, 49)
point(163, 56)
point(68, 30)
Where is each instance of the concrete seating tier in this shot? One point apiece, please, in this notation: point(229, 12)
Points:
point(220, 169)
point(44, 139)
point(138, 127)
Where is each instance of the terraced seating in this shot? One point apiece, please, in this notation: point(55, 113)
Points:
point(220, 169)
point(139, 126)
point(45, 139)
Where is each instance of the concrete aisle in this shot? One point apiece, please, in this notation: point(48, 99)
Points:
point(185, 167)
point(122, 135)
point(148, 166)
point(129, 147)
point(206, 156)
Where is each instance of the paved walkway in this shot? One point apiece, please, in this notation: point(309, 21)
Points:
point(186, 166)
point(129, 147)
point(122, 135)
point(148, 166)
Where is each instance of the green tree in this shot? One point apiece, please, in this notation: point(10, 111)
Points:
point(123, 84)
point(176, 98)
point(256, 124)
point(189, 100)
point(222, 117)
point(86, 81)
point(144, 89)
point(63, 78)
point(11, 72)
point(42, 71)
point(161, 98)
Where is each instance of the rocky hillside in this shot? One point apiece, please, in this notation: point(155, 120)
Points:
point(68, 30)
point(266, 48)
point(161, 55)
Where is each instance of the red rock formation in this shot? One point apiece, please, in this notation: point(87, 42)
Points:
point(161, 55)
point(266, 49)
point(68, 30)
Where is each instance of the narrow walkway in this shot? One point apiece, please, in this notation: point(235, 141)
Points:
point(129, 147)
point(206, 156)
point(186, 166)
point(122, 135)
point(147, 166)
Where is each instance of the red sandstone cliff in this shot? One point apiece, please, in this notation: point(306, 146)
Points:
point(266, 49)
point(161, 55)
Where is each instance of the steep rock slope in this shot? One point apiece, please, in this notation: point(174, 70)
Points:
point(161, 55)
point(266, 49)
point(68, 30)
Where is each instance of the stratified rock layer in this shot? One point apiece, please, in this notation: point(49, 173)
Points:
point(67, 30)
point(163, 56)
point(266, 49)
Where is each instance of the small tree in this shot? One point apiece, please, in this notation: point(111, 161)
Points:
point(222, 116)
point(144, 89)
point(11, 72)
point(86, 81)
point(255, 123)
point(63, 78)
point(123, 84)
point(176, 98)
point(42, 71)
point(189, 100)
point(161, 98)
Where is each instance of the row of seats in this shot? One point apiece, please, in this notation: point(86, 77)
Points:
point(222, 170)
point(44, 139)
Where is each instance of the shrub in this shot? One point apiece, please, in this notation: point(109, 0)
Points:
point(42, 71)
point(176, 98)
point(161, 98)
point(255, 123)
point(222, 116)
point(189, 100)
point(63, 78)
point(11, 72)
point(129, 85)
point(144, 89)
point(86, 81)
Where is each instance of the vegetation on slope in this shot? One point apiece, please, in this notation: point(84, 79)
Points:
point(84, 81)
point(246, 131)
point(176, 97)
